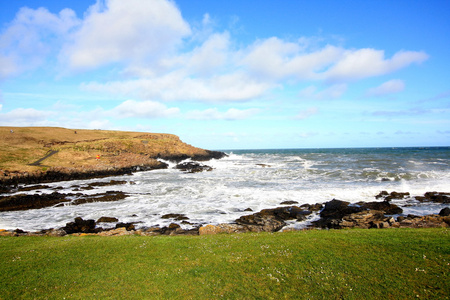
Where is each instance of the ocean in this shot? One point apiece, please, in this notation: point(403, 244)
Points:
point(255, 180)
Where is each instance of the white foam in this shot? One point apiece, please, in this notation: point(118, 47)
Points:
point(237, 182)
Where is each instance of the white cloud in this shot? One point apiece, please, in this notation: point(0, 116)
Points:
point(388, 87)
point(25, 117)
point(215, 114)
point(126, 31)
point(332, 92)
point(144, 109)
point(363, 63)
point(304, 114)
point(177, 86)
point(277, 59)
point(31, 37)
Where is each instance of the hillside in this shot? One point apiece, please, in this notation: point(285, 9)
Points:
point(36, 152)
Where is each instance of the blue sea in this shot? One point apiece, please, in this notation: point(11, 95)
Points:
point(256, 179)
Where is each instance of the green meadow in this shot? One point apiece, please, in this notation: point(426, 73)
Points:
point(315, 264)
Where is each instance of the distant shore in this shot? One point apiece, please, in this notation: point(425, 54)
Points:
point(32, 155)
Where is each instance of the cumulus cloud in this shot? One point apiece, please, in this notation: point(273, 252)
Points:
point(144, 109)
point(177, 86)
point(215, 114)
point(158, 56)
point(388, 87)
point(304, 114)
point(363, 63)
point(124, 31)
point(25, 117)
point(31, 37)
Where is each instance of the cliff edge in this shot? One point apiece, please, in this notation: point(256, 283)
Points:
point(44, 154)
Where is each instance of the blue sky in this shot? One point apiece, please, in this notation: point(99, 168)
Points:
point(232, 74)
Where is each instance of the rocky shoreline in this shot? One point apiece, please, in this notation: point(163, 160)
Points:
point(10, 180)
point(334, 214)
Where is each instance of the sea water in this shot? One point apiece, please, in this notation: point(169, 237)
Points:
point(255, 180)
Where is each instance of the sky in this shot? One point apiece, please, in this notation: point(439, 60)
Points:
point(253, 74)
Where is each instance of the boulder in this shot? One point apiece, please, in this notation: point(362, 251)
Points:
point(435, 197)
point(445, 212)
point(80, 226)
point(193, 167)
point(336, 209)
point(127, 226)
point(222, 228)
point(385, 206)
point(107, 220)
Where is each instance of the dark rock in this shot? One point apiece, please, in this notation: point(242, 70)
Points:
point(24, 202)
point(445, 212)
point(264, 166)
point(192, 167)
point(248, 209)
point(176, 217)
point(128, 226)
point(385, 206)
point(289, 202)
point(174, 226)
point(33, 187)
point(435, 197)
point(382, 194)
point(109, 196)
point(336, 209)
point(107, 220)
point(80, 225)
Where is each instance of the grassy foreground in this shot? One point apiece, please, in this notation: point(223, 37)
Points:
point(346, 264)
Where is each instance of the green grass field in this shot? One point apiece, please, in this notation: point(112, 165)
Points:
point(316, 264)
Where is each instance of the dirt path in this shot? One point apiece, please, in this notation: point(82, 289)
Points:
point(38, 162)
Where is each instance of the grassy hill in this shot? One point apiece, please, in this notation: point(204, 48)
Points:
point(36, 150)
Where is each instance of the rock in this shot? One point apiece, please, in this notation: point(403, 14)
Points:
point(107, 220)
point(392, 195)
point(173, 226)
point(80, 226)
point(116, 232)
point(127, 226)
point(24, 202)
point(259, 222)
point(388, 208)
point(264, 165)
point(248, 209)
point(365, 219)
point(222, 228)
point(55, 232)
point(109, 196)
point(176, 217)
point(429, 221)
point(289, 202)
point(336, 209)
point(445, 212)
point(435, 197)
point(193, 167)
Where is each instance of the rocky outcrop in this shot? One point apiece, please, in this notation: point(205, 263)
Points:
point(193, 167)
point(435, 197)
point(81, 226)
point(35, 201)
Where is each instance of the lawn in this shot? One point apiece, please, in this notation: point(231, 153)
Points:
point(315, 264)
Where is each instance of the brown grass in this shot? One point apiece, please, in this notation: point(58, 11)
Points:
point(77, 148)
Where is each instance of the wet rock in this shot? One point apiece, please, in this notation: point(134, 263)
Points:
point(385, 206)
point(289, 202)
point(392, 195)
point(176, 217)
point(248, 209)
point(264, 165)
point(109, 196)
point(107, 220)
point(445, 212)
point(127, 226)
point(336, 209)
point(193, 167)
point(435, 197)
point(24, 202)
point(33, 187)
point(80, 226)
